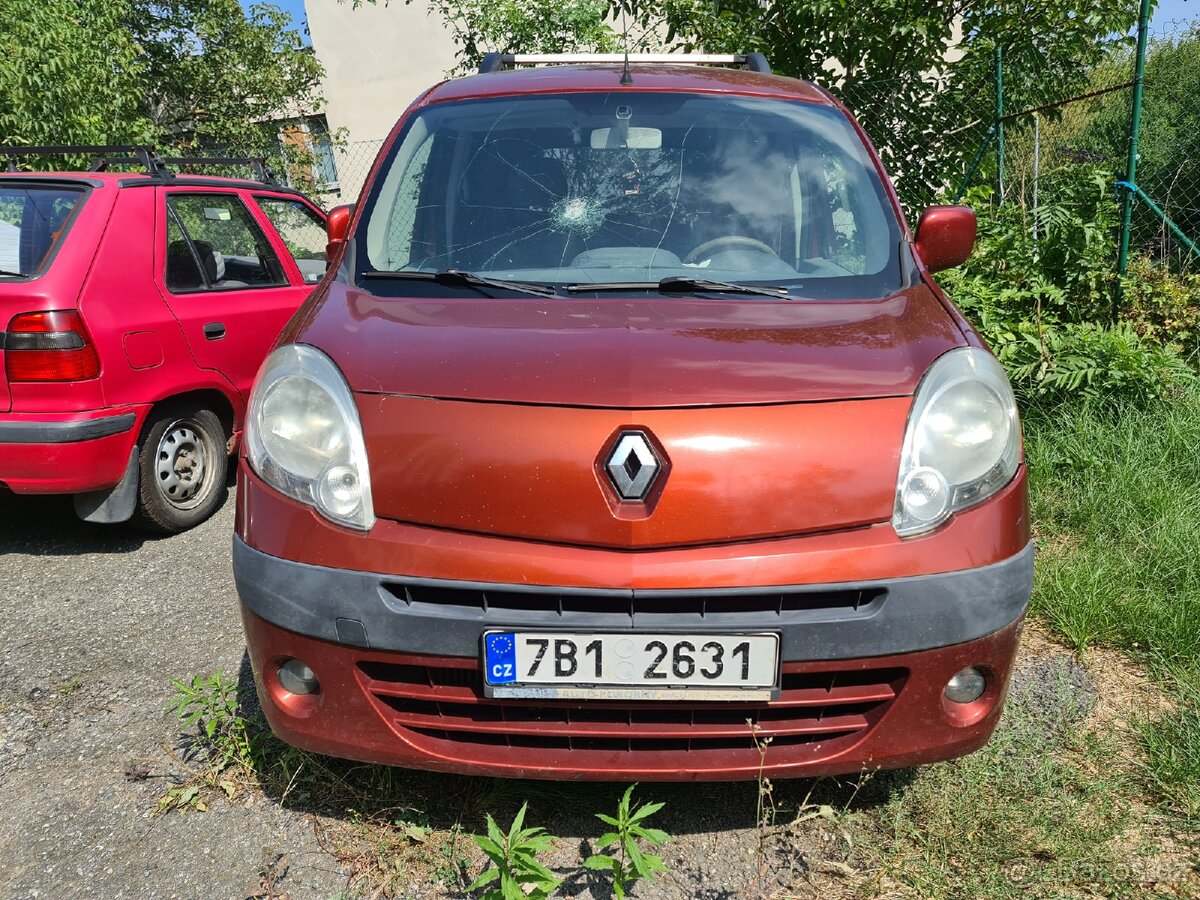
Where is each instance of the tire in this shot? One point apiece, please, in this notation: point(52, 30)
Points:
point(182, 469)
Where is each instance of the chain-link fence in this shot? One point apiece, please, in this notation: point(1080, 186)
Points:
point(967, 136)
point(1168, 170)
point(335, 174)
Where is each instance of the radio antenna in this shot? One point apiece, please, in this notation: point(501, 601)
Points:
point(626, 75)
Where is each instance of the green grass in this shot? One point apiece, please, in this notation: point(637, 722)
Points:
point(1116, 506)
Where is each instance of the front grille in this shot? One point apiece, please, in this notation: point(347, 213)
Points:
point(639, 607)
point(442, 705)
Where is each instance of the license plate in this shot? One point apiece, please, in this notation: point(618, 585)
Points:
point(557, 665)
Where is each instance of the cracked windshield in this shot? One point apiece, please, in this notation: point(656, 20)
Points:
point(592, 189)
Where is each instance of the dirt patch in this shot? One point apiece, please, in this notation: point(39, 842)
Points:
point(1122, 689)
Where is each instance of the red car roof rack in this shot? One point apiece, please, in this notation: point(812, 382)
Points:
point(147, 157)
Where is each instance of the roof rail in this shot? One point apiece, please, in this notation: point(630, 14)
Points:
point(258, 164)
point(496, 62)
point(147, 157)
point(102, 155)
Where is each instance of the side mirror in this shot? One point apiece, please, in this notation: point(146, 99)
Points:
point(945, 236)
point(336, 225)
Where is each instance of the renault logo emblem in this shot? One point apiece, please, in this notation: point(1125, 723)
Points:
point(633, 466)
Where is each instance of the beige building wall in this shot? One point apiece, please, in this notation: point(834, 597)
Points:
point(377, 59)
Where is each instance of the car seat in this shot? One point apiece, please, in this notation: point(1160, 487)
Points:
point(183, 274)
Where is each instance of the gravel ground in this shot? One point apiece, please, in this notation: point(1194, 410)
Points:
point(100, 619)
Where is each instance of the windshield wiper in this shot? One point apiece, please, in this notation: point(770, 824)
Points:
point(681, 284)
point(466, 279)
point(6, 273)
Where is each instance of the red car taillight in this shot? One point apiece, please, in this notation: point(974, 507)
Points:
point(49, 346)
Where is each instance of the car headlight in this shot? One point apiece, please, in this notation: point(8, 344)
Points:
point(304, 438)
point(963, 442)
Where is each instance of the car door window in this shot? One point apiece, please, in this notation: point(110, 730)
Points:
point(303, 232)
point(213, 243)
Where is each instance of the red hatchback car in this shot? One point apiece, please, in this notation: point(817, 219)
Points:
point(629, 430)
point(136, 310)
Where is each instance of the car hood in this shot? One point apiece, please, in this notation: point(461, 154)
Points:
point(626, 353)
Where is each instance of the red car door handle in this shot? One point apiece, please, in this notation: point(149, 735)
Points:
point(214, 331)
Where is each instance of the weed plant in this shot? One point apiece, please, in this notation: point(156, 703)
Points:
point(514, 862)
point(1040, 287)
point(628, 862)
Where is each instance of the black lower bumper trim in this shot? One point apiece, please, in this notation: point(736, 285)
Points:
point(65, 432)
point(905, 615)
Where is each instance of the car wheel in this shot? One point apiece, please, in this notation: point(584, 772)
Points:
point(183, 465)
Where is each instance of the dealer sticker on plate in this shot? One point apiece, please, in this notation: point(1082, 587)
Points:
point(552, 665)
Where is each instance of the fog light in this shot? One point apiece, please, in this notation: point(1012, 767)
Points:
point(967, 686)
point(297, 678)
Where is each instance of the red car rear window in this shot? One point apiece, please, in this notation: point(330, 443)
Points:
point(34, 219)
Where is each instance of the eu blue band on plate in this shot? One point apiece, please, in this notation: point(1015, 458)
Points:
point(500, 658)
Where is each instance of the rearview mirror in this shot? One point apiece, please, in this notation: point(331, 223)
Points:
point(945, 236)
point(627, 138)
point(336, 226)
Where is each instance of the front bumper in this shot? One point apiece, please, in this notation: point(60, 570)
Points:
point(847, 620)
point(864, 669)
point(68, 454)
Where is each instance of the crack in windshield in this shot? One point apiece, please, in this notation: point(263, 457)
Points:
point(625, 187)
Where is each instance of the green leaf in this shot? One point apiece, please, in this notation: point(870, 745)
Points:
point(487, 877)
point(540, 843)
point(624, 804)
point(417, 833)
point(489, 847)
point(646, 811)
point(654, 835)
point(607, 839)
point(494, 831)
point(515, 829)
point(533, 867)
point(654, 863)
point(636, 859)
point(600, 863)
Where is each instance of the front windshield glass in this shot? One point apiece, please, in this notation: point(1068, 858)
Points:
point(600, 188)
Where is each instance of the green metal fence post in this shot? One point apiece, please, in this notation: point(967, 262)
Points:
point(1135, 132)
point(1000, 118)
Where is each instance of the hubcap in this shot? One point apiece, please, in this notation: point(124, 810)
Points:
point(182, 465)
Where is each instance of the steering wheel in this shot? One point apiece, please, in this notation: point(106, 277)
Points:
point(729, 240)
